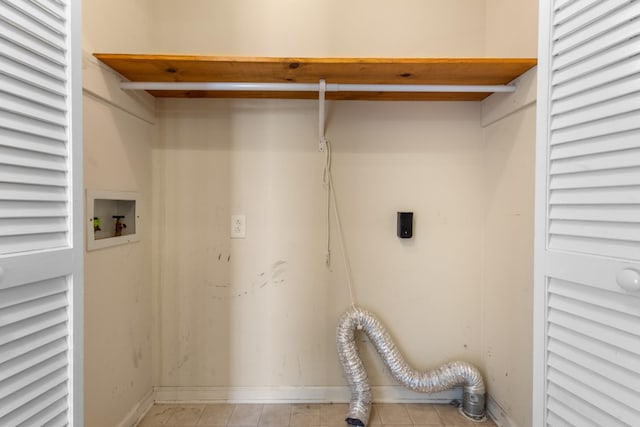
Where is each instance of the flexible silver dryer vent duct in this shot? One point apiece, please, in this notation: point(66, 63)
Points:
point(445, 377)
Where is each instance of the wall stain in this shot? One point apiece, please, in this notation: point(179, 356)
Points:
point(185, 359)
point(277, 270)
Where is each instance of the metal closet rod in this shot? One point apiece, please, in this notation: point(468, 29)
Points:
point(312, 87)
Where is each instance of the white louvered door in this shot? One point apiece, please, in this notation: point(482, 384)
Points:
point(587, 285)
point(40, 214)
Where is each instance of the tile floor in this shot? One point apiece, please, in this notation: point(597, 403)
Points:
point(298, 415)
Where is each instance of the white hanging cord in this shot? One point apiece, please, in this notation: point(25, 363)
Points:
point(327, 180)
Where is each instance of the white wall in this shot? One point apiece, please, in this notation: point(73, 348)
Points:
point(118, 131)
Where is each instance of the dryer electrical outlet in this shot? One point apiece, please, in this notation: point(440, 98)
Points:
point(238, 226)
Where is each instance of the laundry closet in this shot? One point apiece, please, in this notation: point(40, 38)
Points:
point(187, 313)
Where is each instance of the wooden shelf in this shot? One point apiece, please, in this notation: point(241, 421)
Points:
point(445, 71)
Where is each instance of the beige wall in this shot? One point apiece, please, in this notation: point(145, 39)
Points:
point(509, 138)
point(332, 28)
point(117, 279)
point(117, 156)
point(508, 263)
point(116, 26)
point(511, 28)
point(263, 310)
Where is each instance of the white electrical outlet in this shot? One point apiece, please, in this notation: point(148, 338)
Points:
point(238, 226)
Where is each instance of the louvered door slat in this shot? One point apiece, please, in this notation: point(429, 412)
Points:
point(615, 142)
point(31, 159)
point(561, 4)
point(42, 177)
point(31, 126)
point(33, 110)
point(29, 309)
point(575, 408)
point(53, 415)
point(24, 73)
point(617, 19)
point(581, 51)
point(34, 373)
point(596, 229)
point(623, 415)
point(593, 162)
point(32, 291)
point(18, 330)
point(597, 110)
point(53, 7)
point(603, 127)
point(11, 402)
point(25, 226)
point(597, 196)
point(23, 141)
point(25, 57)
point(39, 12)
point(619, 303)
point(29, 360)
point(603, 333)
point(600, 367)
point(33, 19)
point(608, 56)
point(40, 255)
point(602, 178)
point(613, 248)
point(30, 42)
point(14, 209)
point(592, 346)
point(581, 14)
point(24, 90)
point(617, 213)
point(624, 68)
point(573, 9)
point(599, 94)
point(622, 322)
point(20, 346)
point(26, 242)
point(32, 192)
point(29, 404)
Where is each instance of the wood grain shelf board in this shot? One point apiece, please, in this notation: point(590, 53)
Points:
point(444, 71)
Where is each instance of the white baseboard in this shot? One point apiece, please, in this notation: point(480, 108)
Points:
point(499, 415)
point(138, 411)
point(382, 394)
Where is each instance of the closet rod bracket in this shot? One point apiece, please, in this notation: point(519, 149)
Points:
point(322, 141)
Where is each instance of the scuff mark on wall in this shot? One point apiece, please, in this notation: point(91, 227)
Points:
point(276, 276)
